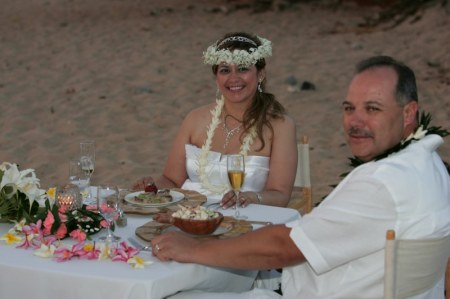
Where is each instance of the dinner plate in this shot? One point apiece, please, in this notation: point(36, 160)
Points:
point(176, 197)
point(223, 228)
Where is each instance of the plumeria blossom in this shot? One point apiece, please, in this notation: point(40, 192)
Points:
point(63, 254)
point(18, 226)
point(28, 242)
point(124, 252)
point(11, 238)
point(45, 251)
point(104, 251)
point(90, 251)
point(137, 262)
point(35, 230)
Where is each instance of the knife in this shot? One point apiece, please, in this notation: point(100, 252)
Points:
point(139, 245)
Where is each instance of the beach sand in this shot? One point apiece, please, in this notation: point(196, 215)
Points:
point(125, 73)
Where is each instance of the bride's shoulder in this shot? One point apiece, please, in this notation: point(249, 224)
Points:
point(199, 114)
point(202, 111)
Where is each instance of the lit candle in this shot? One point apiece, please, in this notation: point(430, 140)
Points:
point(69, 197)
point(65, 199)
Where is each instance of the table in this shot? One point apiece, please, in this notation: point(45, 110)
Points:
point(23, 275)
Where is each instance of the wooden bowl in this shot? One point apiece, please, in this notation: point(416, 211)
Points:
point(198, 227)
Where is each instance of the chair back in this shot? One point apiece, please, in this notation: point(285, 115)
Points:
point(302, 194)
point(413, 266)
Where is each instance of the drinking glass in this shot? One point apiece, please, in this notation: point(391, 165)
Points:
point(87, 160)
point(108, 206)
point(236, 175)
point(76, 176)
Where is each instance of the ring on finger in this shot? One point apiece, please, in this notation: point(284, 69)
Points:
point(157, 248)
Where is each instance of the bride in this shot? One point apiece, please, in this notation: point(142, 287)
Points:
point(243, 119)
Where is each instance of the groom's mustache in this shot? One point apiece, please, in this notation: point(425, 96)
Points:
point(358, 132)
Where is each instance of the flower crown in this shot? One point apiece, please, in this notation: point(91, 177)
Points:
point(213, 56)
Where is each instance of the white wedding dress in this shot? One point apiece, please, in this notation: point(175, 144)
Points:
point(256, 172)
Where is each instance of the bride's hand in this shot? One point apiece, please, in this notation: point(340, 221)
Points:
point(228, 200)
point(142, 183)
point(245, 198)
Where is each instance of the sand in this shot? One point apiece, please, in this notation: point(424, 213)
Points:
point(125, 73)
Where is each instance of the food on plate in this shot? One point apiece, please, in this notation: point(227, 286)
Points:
point(151, 188)
point(154, 198)
point(195, 213)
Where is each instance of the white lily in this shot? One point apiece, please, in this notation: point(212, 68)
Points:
point(25, 180)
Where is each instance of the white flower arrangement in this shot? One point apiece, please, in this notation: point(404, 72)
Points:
point(212, 56)
point(203, 156)
point(24, 181)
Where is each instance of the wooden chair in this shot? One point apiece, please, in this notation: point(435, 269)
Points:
point(413, 266)
point(302, 193)
point(447, 281)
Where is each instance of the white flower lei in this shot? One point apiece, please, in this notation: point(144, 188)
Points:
point(203, 156)
point(213, 56)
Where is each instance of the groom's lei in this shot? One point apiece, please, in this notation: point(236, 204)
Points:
point(422, 130)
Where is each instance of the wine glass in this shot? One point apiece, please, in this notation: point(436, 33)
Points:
point(108, 206)
point(236, 175)
point(76, 175)
point(87, 161)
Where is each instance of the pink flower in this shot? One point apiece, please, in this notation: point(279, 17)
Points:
point(88, 251)
point(48, 223)
point(123, 253)
point(33, 235)
point(49, 240)
point(61, 232)
point(27, 243)
point(62, 217)
point(62, 209)
point(63, 254)
point(78, 234)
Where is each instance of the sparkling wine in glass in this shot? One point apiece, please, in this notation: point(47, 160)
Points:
point(108, 205)
point(87, 161)
point(236, 176)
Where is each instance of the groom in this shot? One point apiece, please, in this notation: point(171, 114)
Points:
point(337, 251)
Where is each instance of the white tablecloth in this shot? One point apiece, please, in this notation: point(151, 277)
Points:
point(23, 275)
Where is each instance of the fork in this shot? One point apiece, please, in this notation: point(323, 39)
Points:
point(139, 246)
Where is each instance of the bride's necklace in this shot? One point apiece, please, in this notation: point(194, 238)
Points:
point(229, 133)
point(203, 156)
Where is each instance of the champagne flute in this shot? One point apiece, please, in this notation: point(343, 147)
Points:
point(87, 161)
point(236, 175)
point(108, 206)
point(76, 175)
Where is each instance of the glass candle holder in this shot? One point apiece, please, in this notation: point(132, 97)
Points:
point(69, 197)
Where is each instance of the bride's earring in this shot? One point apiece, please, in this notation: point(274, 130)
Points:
point(259, 86)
